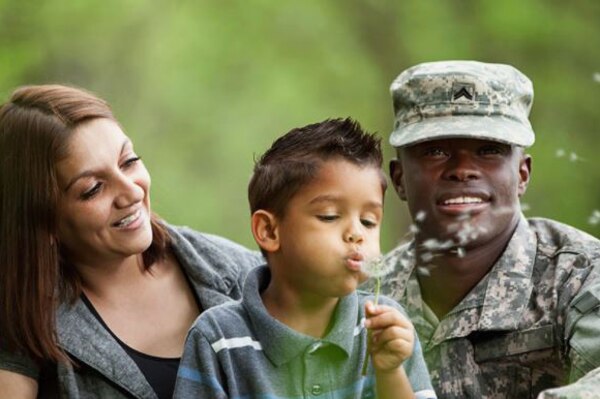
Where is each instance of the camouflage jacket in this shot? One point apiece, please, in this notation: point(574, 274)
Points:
point(530, 324)
point(588, 387)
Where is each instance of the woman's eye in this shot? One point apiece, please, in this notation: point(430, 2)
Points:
point(130, 161)
point(327, 218)
point(91, 192)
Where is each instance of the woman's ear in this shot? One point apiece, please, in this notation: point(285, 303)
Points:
point(265, 230)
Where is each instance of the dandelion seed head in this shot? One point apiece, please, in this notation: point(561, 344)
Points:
point(596, 77)
point(420, 216)
point(379, 266)
point(560, 153)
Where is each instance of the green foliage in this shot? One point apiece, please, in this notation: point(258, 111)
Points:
point(203, 87)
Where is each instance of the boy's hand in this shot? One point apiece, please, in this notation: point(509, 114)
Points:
point(392, 336)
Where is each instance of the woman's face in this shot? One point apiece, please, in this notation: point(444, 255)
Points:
point(104, 204)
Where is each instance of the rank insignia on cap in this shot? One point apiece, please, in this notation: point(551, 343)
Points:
point(465, 90)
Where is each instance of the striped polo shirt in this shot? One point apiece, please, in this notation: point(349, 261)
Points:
point(238, 350)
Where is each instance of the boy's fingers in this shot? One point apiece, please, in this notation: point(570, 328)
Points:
point(386, 316)
point(397, 347)
point(393, 333)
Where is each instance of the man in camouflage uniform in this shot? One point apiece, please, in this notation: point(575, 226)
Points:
point(505, 307)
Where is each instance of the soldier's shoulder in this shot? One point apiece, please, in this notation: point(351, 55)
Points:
point(555, 237)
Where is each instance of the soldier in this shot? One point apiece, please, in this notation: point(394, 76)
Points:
point(505, 306)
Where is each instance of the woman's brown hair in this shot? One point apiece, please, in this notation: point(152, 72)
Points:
point(35, 127)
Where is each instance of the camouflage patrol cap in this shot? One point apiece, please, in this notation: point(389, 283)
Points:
point(462, 99)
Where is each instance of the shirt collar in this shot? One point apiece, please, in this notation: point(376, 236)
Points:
point(284, 343)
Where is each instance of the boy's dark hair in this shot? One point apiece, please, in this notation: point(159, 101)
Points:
point(295, 158)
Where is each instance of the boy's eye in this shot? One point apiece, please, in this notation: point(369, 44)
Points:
point(368, 223)
point(91, 192)
point(327, 218)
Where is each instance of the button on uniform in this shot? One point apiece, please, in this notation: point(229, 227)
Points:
point(316, 390)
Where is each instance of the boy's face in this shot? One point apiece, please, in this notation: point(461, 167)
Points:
point(330, 228)
point(467, 190)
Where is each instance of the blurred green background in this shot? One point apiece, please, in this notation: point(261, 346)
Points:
point(203, 87)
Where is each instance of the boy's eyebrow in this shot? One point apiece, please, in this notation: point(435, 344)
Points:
point(335, 198)
point(89, 173)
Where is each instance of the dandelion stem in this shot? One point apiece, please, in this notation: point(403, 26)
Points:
point(377, 290)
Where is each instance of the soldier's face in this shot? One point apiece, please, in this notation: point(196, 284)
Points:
point(463, 190)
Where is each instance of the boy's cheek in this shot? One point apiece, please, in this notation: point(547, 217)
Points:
point(362, 277)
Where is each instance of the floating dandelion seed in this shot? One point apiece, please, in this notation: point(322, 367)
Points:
point(453, 228)
point(430, 244)
point(423, 271)
point(434, 245)
point(460, 252)
point(595, 218)
point(464, 216)
point(560, 153)
point(573, 157)
point(420, 216)
point(426, 257)
point(596, 77)
point(413, 229)
point(525, 207)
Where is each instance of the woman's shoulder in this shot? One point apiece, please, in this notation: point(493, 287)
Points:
point(192, 243)
point(213, 261)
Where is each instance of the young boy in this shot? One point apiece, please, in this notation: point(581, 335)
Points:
point(316, 198)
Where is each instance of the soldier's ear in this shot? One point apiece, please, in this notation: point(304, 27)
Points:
point(396, 174)
point(524, 173)
point(265, 230)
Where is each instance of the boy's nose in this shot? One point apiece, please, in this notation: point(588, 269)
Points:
point(354, 237)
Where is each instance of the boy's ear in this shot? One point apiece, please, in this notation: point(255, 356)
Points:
point(265, 230)
point(396, 177)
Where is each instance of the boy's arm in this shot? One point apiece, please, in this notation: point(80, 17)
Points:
point(391, 344)
point(199, 372)
point(393, 384)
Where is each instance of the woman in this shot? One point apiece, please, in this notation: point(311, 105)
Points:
point(96, 292)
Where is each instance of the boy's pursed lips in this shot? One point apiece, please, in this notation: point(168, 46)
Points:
point(354, 261)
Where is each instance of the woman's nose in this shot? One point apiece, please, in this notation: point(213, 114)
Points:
point(129, 192)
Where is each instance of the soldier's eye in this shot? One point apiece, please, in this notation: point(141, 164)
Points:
point(435, 152)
